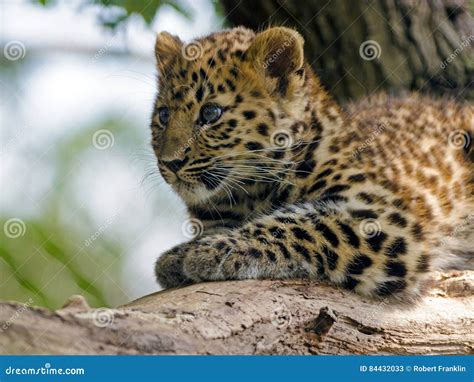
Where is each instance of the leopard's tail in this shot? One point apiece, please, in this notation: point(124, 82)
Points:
point(456, 251)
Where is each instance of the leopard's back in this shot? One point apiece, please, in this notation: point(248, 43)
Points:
point(422, 148)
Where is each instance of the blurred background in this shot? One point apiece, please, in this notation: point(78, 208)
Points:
point(83, 209)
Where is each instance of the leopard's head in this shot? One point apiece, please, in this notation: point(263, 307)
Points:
point(229, 109)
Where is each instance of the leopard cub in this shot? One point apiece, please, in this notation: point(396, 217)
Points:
point(287, 184)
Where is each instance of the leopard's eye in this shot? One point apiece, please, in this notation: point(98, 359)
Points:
point(210, 113)
point(164, 115)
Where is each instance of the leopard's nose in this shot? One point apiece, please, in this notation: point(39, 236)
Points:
point(175, 165)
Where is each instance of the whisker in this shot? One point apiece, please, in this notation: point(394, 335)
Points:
point(263, 175)
point(230, 179)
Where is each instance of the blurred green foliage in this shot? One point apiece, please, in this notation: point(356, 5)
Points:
point(51, 258)
point(115, 13)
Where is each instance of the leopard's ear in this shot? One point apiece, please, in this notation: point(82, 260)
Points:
point(277, 52)
point(167, 49)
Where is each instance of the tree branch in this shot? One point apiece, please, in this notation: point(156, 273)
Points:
point(250, 317)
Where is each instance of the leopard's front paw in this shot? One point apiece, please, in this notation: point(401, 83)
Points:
point(213, 260)
point(169, 268)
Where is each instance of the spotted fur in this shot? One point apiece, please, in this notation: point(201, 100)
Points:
point(287, 184)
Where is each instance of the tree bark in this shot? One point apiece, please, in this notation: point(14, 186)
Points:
point(250, 317)
point(409, 44)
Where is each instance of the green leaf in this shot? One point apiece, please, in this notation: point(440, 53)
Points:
point(145, 9)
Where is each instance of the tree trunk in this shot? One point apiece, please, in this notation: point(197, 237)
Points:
point(250, 317)
point(359, 47)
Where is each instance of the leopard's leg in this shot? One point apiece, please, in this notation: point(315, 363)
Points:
point(169, 267)
point(307, 241)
